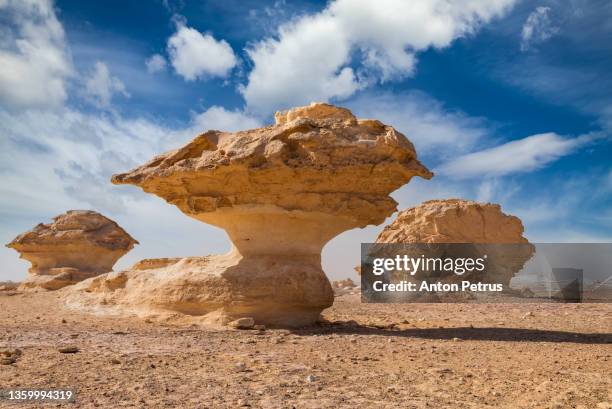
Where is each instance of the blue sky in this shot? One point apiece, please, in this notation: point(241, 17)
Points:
point(507, 101)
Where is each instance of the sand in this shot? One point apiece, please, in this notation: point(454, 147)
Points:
point(362, 355)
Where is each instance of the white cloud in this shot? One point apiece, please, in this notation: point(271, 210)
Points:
point(311, 57)
point(101, 86)
point(156, 63)
point(496, 190)
point(195, 55)
point(304, 65)
point(76, 153)
point(537, 28)
point(572, 200)
point(34, 61)
point(608, 182)
point(221, 119)
point(267, 18)
point(523, 155)
point(425, 122)
point(487, 190)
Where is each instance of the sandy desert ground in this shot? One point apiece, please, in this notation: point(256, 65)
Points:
point(360, 356)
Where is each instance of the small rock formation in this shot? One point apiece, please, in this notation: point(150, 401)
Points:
point(79, 244)
point(9, 356)
point(343, 287)
point(347, 283)
point(8, 285)
point(465, 221)
point(243, 323)
point(280, 192)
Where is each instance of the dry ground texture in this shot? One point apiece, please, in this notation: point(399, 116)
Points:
point(361, 356)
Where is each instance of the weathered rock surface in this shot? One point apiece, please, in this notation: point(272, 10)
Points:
point(453, 221)
point(79, 244)
point(465, 221)
point(243, 323)
point(280, 192)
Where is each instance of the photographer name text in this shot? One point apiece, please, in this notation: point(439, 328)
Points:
point(424, 286)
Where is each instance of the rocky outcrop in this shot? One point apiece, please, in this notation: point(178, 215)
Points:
point(79, 244)
point(453, 221)
point(8, 285)
point(465, 221)
point(280, 192)
point(343, 287)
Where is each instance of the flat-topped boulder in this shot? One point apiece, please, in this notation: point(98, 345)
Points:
point(280, 192)
point(78, 244)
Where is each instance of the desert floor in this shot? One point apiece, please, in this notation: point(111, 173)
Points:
point(362, 355)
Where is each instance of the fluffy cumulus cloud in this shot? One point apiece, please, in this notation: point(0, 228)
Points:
point(312, 57)
point(518, 156)
point(101, 86)
point(34, 61)
point(537, 28)
point(194, 55)
point(156, 63)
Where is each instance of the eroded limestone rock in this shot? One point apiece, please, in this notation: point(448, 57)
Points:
point(465, 221)
point(79, 244)
point(280, 192)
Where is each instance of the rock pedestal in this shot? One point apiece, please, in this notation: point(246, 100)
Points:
point(280, 192)
point(79, 244)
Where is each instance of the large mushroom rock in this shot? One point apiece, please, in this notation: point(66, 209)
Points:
point(79, 244)
point(482, 225)
point(280, 192)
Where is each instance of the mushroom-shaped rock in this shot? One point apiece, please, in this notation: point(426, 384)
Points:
point(280, 192)
point(79, 244)
point(465, 221)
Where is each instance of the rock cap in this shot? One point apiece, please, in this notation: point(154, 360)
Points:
point(314, 158)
